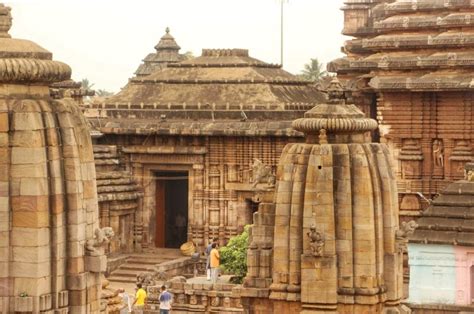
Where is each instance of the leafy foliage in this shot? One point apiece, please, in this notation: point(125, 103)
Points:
point(103, 93)
point(234, 255)
point(313, 71)
point(86, 84)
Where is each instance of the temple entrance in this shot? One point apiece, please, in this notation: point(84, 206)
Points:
point(171, 208)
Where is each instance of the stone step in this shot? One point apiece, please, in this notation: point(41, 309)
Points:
point(147, 261)
point(121, 279)
point(127, 272)
point(137, 266)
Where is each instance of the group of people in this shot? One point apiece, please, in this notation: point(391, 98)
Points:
point(166, 298)
point(138, 305)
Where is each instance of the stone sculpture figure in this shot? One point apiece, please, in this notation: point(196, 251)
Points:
point(406, 229)
point(401, 235)
point(316, 241)
point(261, 173)
point(469, 171)
point(438, 154)
point(102, 236)
point(145, 279)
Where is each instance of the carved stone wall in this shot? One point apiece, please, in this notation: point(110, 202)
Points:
point(409, 65)
point(220, 176)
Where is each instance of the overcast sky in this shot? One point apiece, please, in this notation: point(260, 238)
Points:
point(105, 40)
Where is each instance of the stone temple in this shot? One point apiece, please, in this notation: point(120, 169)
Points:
point(197, 148)
point(199, 137)
point(327, 242)
point(51, 254)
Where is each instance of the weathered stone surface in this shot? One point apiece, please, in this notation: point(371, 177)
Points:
point(331, 234)
point(41, 247)
point(420, 81)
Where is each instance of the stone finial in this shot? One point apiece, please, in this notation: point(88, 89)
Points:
point(336, 92)
point(5, 21)
point(336, 118)
point(23, 61)
point(167, 42)
point(469, 171)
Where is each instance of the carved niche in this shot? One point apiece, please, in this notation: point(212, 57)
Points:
point(462, 154)
point(411, 159)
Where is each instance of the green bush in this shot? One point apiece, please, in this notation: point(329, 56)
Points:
point(234, 256)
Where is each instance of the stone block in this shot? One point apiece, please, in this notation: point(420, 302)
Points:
point(28, 139)
point(30, 203)
point(30, 219)
point(37, 254)
point(33, 186)
point(27, 121)
point(30, 270)
point(23, 304)
point(77, 232)
point(4, 139)
point(75, 265)
point(4, 175)
point(76, 282)
point(4, 126)
point(75, 249)
point(29, 171)
point(28, 155)
point(77, 297)
point(30, 237)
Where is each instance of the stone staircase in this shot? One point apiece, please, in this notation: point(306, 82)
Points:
point(138, 263)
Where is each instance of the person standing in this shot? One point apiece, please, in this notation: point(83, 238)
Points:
point(140, 300)
point(208, 257)
point(166, 299)
point(125, 300)
point(215, 262)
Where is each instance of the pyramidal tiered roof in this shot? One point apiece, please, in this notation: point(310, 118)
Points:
point(167, 51)
point(450, 218)
point(208, 92)
point(415, 45)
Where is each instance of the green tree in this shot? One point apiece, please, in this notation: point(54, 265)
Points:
point(103, 93)
point(86, 84)
point(313, 71)
point(188, 55)
point(234, 256)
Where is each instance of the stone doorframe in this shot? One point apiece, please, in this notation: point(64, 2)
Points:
point(144, 161)
point(149, 189)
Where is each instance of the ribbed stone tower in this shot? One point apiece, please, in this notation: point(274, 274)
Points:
point(335, 220)
point(50, 247)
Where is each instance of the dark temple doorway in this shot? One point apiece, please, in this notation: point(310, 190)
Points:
point(171, 208)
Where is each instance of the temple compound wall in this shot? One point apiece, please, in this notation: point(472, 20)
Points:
point(409, 65)
point(51, 254)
